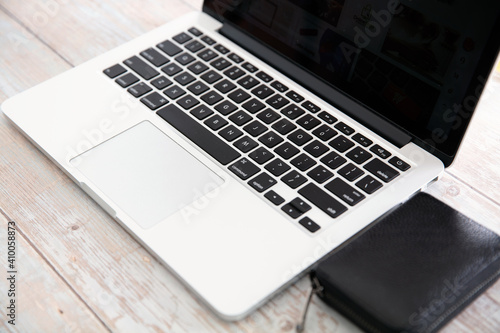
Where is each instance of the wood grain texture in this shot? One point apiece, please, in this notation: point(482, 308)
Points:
point(41, 295)
point(127, 289)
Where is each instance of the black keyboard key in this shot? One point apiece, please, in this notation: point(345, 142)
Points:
point(322, 200)
point(154, 100)
point(308, 122)
point(309, 224)
point(326, 117)
point(293, 111)
point(220, 64)
point(249, 67)
point(161, 82)
point(201, 112)
point(207, 55)
point(274, 197)
point(139, 89)
point(262, 182)
point(300, 205)
point(291, 211)
point(333, 160)
point(169, 48)
point(253, 105)
point(208, 40)
point(225, 107)
point(359, 155)
point(195, 32)
point(184, 78)
point(320, 174)
point(211, 97)
point(347, 193)
point(240, 118)
point(194, 46)
point(344, 128)
point(270, 139)
point(198, 88)
point(362, 140)
point(261, 155)
point(174, 92)
point(248, 82)
point(311, 107)
point(182, 38)
point(284, 126)
point(234, 57)
point(369, 184)
point(230, 133)
point(262, 91)
point(184, 59)
point(324, 132)
point(171, 69)
point(114, 71)
point(234, 73)
point(154, 57)
point(381, 170)
point(244, 168)
point(380, 152)
point(303, 162)
point(264, 76)
point(277, 101)
point(287, 150)
point(215, 122)
point(399, 163)
point(141, 67)
point(294, 96)
point(239, 96)
point(198, 67)
point(341, 143)
point(293, 179)
point(316, 148)
point(187, 102)
point(245, 144)
point(268, 116)
point(211, 77)
point(277, 167)
point(202, 137)
point(221, 49)
point(255, 128)
point(350, 172)
point(299, 137)
point(279, 86)
point(225, 86)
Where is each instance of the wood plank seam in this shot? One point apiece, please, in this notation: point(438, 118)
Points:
point(472, 188)
point(20, 233)
point(34, 34)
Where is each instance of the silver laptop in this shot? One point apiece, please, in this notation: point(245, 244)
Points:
point(243, 143)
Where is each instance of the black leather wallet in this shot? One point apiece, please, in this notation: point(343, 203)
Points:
point(413, 270)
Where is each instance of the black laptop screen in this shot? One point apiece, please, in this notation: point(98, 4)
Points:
point(421, 64)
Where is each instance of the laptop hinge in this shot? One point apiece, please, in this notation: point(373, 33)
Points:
point(355, 110)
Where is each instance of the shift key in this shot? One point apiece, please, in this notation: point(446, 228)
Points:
point(322, 200)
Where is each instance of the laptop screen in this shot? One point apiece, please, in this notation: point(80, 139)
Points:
point(420, 64)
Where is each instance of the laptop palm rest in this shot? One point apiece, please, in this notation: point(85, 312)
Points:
point(147, 174)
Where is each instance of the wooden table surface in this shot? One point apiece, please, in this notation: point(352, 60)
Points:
point(79, 271)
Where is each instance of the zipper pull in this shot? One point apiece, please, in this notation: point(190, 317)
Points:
point(317, 288)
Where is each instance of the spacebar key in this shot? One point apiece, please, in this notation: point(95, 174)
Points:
point(201, 136)
point(322, 200)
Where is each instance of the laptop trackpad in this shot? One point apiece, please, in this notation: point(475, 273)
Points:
point(146, 173)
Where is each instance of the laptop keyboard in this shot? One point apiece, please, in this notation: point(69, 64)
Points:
point(258, 128)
